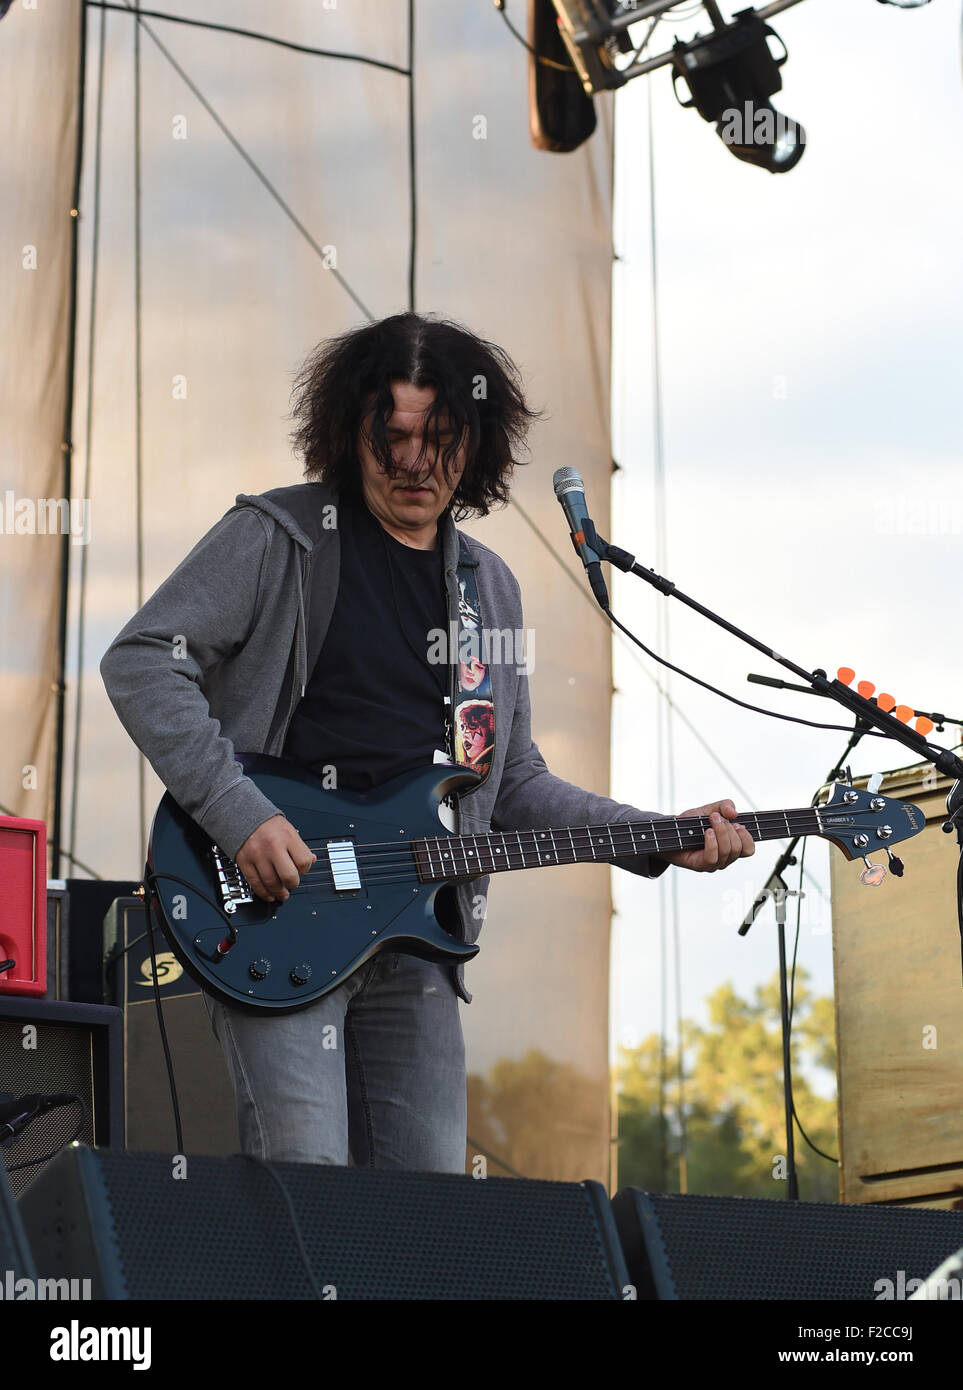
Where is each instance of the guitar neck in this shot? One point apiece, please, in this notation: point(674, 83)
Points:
point(468, 856)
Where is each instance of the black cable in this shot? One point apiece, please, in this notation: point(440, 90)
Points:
point(412, 188)
point(163, 1030)
point(255, 168)
point(587, 596)
point(547, 62)
point(795, 945)
point(815, 1147)
point(120, 951)
point(139, 411)
point(757, 709)
point(67, 450)
point(249, 34)
point(150, 878)
point(792, 1001)
point(45, 1158)
point(270, 1168)
point(494, 1157)
point(959, 897)
point(88, 430)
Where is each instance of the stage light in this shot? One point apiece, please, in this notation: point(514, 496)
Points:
point(731, 74)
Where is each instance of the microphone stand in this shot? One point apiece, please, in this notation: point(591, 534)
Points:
point(775, 888)
point(868, 716)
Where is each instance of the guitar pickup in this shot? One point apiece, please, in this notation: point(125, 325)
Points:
point(234, 887)
point(344, 866)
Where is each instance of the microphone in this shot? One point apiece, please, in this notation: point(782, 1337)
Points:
point(570, 491)
point(17, 1112)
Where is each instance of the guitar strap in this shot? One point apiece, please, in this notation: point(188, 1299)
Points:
point(471, 729)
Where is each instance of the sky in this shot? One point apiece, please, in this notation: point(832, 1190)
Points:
point(810, 361)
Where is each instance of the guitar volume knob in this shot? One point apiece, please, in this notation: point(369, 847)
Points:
point(259, 969)
point(300, 974)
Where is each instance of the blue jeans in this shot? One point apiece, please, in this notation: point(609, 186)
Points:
point(374, 1070)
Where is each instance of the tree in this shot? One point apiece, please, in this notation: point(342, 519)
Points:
point(735, 1140)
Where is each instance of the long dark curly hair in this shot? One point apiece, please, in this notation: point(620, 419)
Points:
point(478, 400)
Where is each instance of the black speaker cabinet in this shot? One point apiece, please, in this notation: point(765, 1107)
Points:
point(50, 1047)
point(82, 906)
point(153, 1226)
point(205, 1096)
point(697, 1247)
point(58, 940)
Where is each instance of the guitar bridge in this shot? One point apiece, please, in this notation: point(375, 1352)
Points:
point(234, 887)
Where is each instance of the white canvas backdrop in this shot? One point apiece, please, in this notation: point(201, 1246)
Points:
point(514, 243)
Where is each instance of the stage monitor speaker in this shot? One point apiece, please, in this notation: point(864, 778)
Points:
point(153, 1226)
point(53, 1048)
point(58, 941)
point(205, 1096)
point(16, 1261)
point(88, 900)
point(696, 1247)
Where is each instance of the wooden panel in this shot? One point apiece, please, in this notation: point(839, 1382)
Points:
point(899, 1015)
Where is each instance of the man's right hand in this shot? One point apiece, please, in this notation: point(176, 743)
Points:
point(273, 858)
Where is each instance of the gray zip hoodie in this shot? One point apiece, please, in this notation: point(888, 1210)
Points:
point(218, 658)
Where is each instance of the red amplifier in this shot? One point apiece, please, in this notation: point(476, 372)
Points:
point(23, 906)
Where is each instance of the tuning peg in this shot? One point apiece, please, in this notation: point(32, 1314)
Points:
point(896, 865)
point(875, 782)
point(873, 874)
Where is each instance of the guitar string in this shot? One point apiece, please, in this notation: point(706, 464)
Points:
point(655, 827)
point(404, 859)
point(579, 837)
point(621, 841)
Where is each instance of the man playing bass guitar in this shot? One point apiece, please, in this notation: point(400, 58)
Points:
point(301, 626)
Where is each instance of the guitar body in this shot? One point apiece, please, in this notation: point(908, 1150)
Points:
point(284, 956)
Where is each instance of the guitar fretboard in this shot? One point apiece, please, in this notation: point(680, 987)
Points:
point(468, 856)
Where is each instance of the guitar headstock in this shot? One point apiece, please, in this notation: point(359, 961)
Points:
point(860, 821)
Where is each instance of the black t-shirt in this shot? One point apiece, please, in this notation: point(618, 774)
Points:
point(374, 704)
